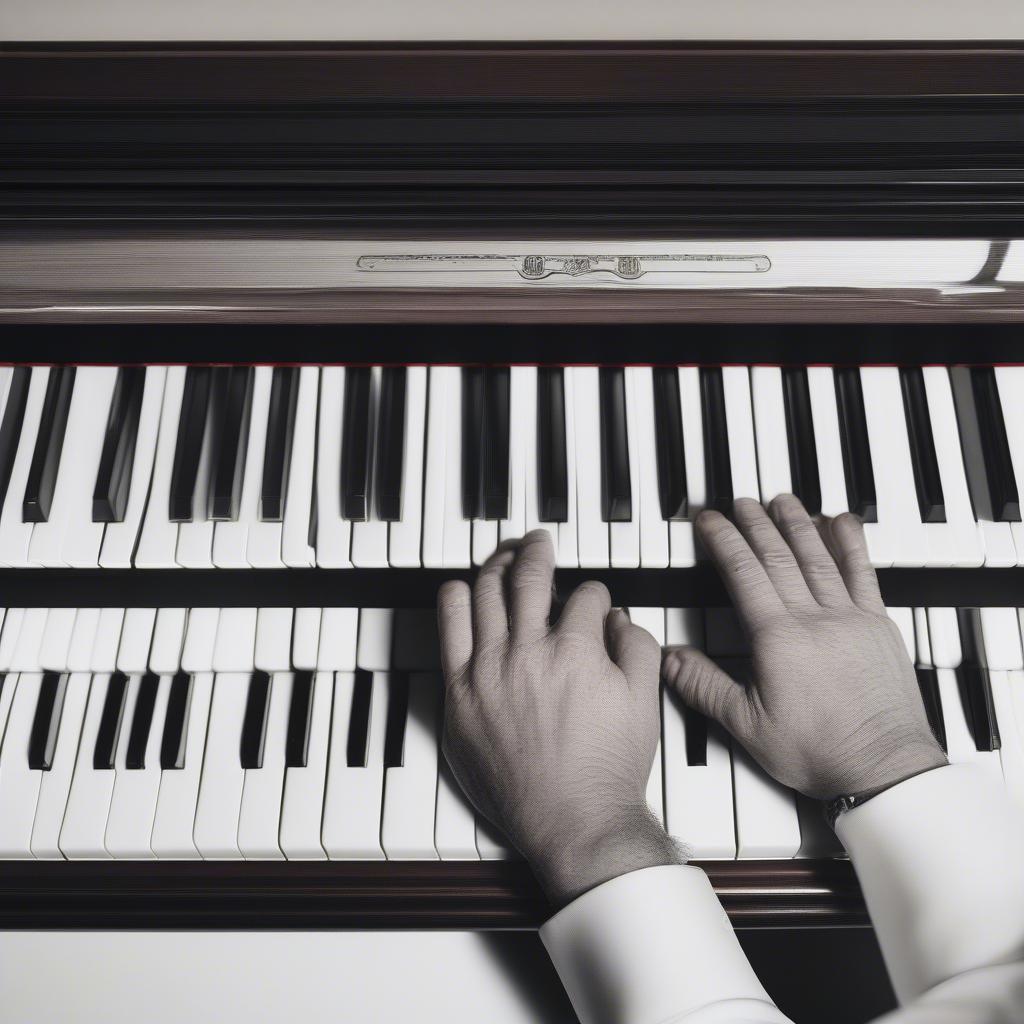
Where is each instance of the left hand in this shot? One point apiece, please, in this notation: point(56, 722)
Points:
point(551, 730)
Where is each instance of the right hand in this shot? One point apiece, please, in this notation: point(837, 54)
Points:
point(834, 706)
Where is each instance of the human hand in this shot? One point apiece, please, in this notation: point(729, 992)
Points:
point(833, 707)
point(551, 730)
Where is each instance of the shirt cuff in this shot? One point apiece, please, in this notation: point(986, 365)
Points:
point(654, 946)
point(939, 859)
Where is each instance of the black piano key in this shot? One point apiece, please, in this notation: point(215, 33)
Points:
point(928, 681)
point(300, 715)
point(472, 437)
point(390, 444)
point(188, 449)
point(668, 428)
point(110, 495)
point(995, 447)
point(616, 494)
point(398, 708)
point(142, 721)
point(552, 472)
point(10, 425)
point(254, 725)
point(42, 474)
point(973, 682)
point(356, 445)
point(695, 725)
point(494, 456)
point(717, 464)
point(231, 408)
point(922, 446)
point(359, 719)
point(803, 452)
point(853, 435)
point(110, 722)
point(284, 391)
point(172, 744)
point(46, 721)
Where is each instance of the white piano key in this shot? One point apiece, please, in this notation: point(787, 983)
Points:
point(567, 551)
point(175, 815)
point(83, 637)
point(525, 420)
point(1000, 549)
point(235, 646)
point(456, 531)
point(168, 640)
point(957, 542)
point(303, 803)
point(352, 804)
point(404, 536)
point(56, 783)
point(624, 537)
point(263, 544)
point(1008, 698)
point(1010, 385)
point(231, 539)
point(259, 817)
point(136, 639)
point(654, 531)
point(69, 536)
point(591, 529)
point(200, 637)
point(740, 419)
point(19, 784)
point(821, 387)
point(134, 800)
point(491, 844)
point(333, 533)
point(434, 484)
point(158, 540)
point(296, 550)
point(407, 818)
point(56, 641)
point(273, 640)
point(522, 387)
point(921, 635)
point(770, 431)
point(30, 639)
point(119, 539)
point(85, 817)
point(370, 538)
point(375, 633)
point(653, 620)
point(904, 619)
point(7, 687)
point(9, 633)
point(306, 638)
point(454, 820)
point(944, 636)
point(1000, 630)
point(215, 832)
point(682, 550)
point(6, 375)
point(698, 798)
point(195, 538)
point(960, 744)
point(484, 539)
point(15, 535)
point(339, 629)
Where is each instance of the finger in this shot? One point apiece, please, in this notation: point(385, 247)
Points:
point(772, 552)
point(455, 627)
point(586, 610)
point(743, 575)
point(702, 685)
point(634, 650)
point(819, 569)
point(851, 551)
point(490, 612)
point(530, 584)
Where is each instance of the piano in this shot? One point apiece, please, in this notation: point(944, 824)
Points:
point(293, 334)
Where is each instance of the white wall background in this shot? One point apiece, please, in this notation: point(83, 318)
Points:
point(509, 19)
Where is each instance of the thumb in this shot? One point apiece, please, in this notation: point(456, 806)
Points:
point(633, 649)
point(702, 685)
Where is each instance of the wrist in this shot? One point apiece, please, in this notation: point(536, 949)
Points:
point(902, 763)
point(585, 860)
